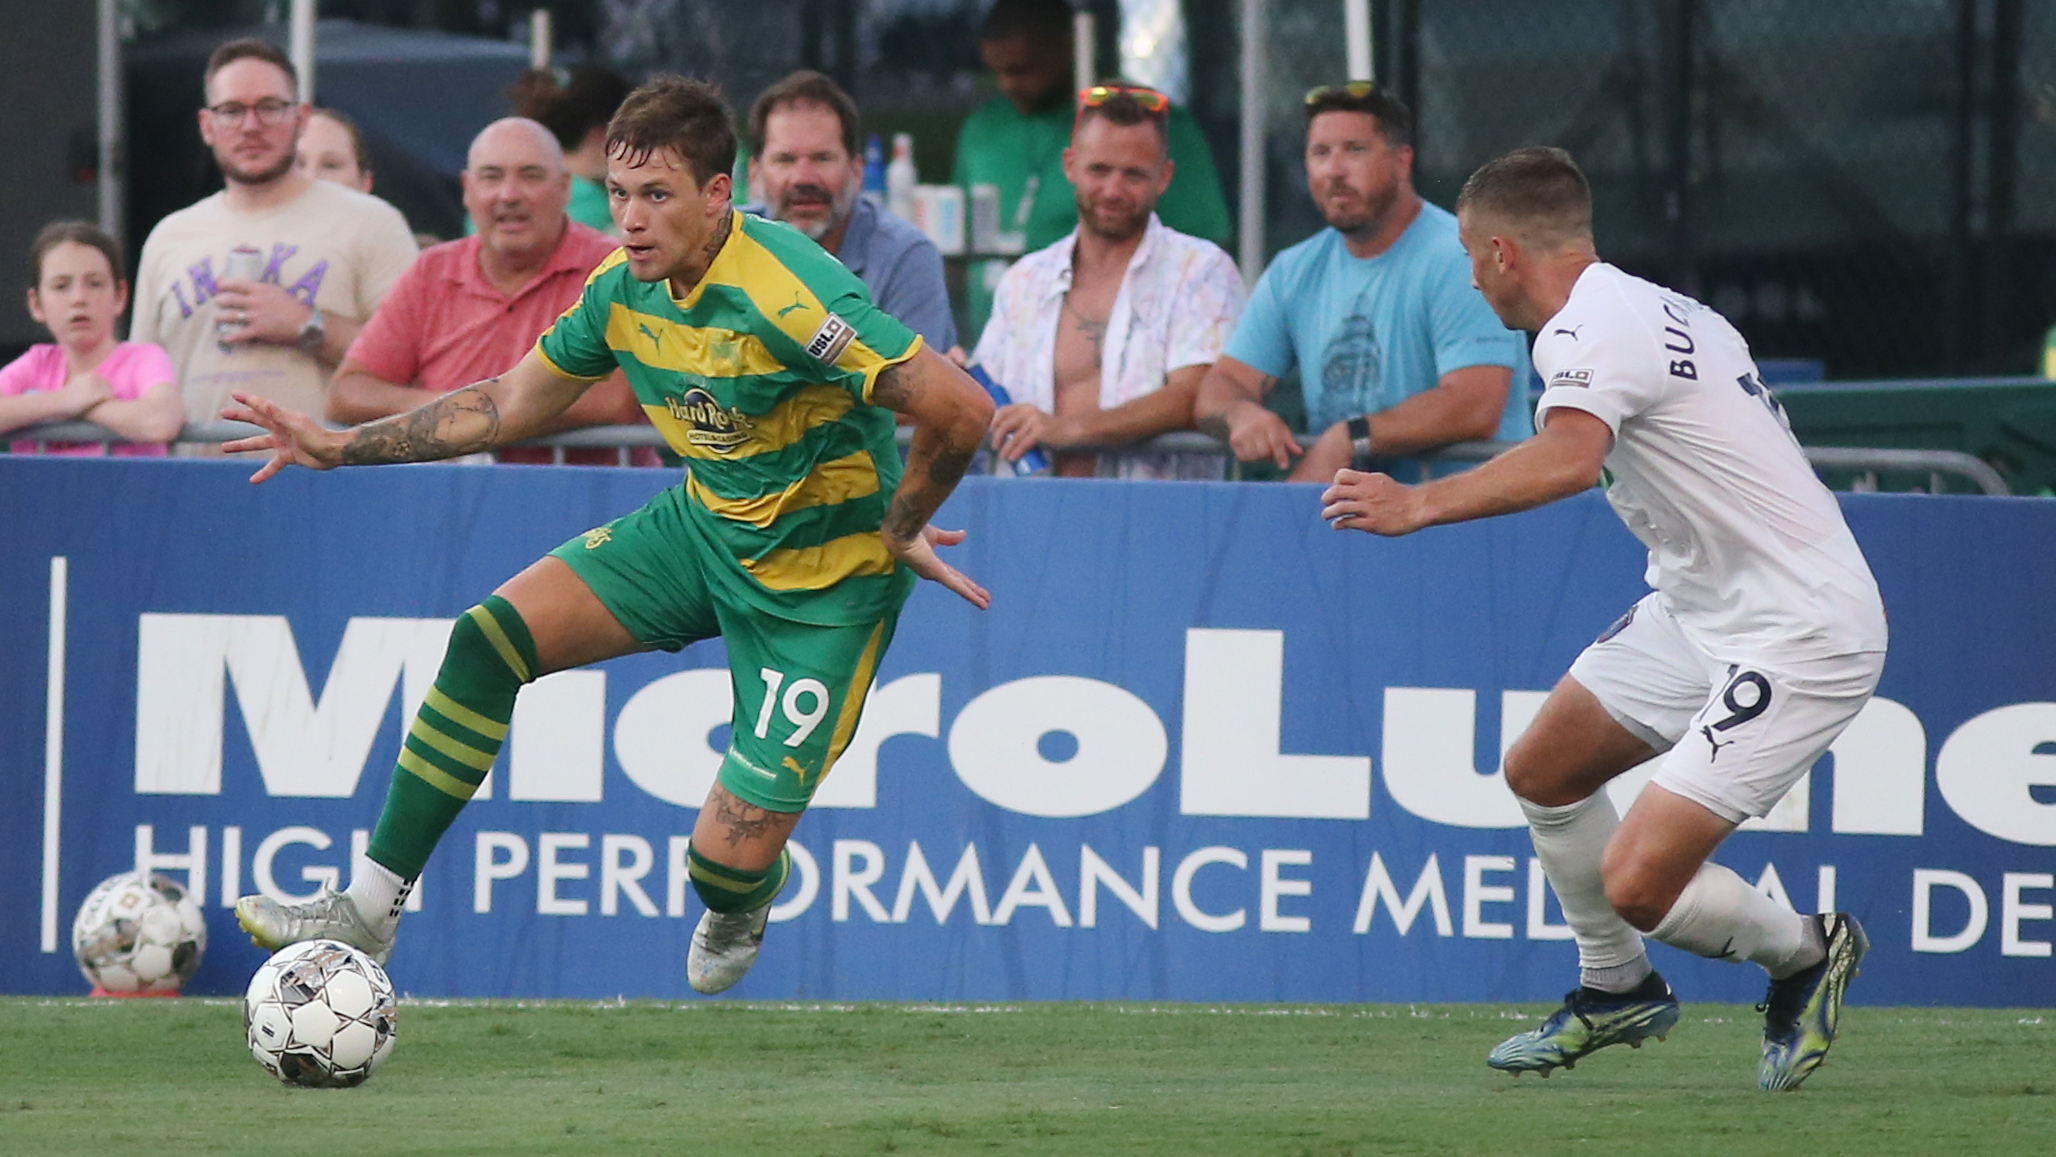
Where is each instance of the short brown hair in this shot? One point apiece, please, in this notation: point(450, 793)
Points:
point(1395, 120)
point(80, 232)
point(678, 113)
point(1538, 190)
point(356, 135)
point(251, 48)
point(805, 87)
point(1124, 109)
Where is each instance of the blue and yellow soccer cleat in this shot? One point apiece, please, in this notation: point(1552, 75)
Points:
point(1589, 1021)
point(1801, 1012)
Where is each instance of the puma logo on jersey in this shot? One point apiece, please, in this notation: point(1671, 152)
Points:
point(1716, 744)
point(648, 333)
point(797, 303)
point(1572, 331)
point(796, 767)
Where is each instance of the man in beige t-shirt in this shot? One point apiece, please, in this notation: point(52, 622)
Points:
point(315, 257)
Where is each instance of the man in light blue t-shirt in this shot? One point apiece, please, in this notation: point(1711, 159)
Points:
point(1397, 353)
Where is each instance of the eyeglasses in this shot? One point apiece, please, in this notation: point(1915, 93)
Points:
point(270, 111)
point(1355, 90)
point(1153, 102)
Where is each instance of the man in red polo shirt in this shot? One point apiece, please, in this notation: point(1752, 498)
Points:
point(469, 309)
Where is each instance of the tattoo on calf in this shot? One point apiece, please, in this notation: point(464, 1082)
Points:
point(461, 422)
point(745, 822)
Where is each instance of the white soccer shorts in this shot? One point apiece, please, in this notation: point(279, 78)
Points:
point(1737, 736)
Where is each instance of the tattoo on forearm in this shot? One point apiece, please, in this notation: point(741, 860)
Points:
point(1214, 426)
point(928, 483)
point(935, 463)
point(461, 422)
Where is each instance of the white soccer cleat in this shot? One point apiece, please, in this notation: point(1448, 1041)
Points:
point(329, 916)
point(723, 948)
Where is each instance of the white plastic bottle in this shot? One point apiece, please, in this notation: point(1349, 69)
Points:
point(900, 178)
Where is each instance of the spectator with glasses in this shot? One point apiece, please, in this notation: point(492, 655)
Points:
point(1102, 338)
point(260, 288)
point(1398, 354)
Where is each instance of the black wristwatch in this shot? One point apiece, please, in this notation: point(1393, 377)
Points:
point(1360, 437)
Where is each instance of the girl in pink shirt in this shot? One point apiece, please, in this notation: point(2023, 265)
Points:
point(78, 292)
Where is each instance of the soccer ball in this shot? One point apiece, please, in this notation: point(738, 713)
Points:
point(139, 933)
point(320, 1015)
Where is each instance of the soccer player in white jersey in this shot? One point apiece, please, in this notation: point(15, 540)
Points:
point(1763, 637)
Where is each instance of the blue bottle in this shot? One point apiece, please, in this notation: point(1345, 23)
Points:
point(1034, 461)
point(874, 170)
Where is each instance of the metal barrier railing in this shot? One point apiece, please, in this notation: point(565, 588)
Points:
point(1867, 463)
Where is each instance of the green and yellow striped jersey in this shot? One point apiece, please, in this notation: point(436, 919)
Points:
point(761, 378)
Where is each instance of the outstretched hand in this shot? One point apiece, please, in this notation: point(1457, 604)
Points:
point(1372, 503)
point(293, 438)
point(919, 554)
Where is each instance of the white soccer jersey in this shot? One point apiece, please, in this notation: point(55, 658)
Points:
point(1744, 541)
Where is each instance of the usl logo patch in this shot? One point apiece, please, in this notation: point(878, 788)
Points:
point(830, 340)
point(1571, 378)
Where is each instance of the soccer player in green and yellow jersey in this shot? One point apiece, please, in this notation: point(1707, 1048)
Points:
point(796, 536)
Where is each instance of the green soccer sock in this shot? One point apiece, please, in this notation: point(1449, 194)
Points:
point(727, 890)
point(455, 737)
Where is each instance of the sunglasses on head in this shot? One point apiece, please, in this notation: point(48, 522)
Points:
point(1152, 101)
point(1355, 90)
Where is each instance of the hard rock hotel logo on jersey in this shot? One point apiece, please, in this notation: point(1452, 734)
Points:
point(709, 423)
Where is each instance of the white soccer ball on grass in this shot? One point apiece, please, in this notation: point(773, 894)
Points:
point(139, 933)
point(320, 1015)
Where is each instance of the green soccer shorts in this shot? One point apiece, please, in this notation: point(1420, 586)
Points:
point(799, 688)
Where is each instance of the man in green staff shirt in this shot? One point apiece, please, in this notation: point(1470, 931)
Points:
point(1016, 141)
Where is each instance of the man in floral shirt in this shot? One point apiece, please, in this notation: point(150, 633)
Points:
point(1102, 338)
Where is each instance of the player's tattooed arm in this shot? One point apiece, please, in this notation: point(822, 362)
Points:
point(518, 404)
point(943, 443)
point(460, 422)
point(950, 416)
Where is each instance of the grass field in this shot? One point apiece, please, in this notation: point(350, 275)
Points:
point(171, 1077)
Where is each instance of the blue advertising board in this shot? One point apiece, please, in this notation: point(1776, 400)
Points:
point(1201, 747)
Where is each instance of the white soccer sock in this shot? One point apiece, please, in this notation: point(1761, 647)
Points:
point(1569, 841)
point(378, 892)
point(1719, 915)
